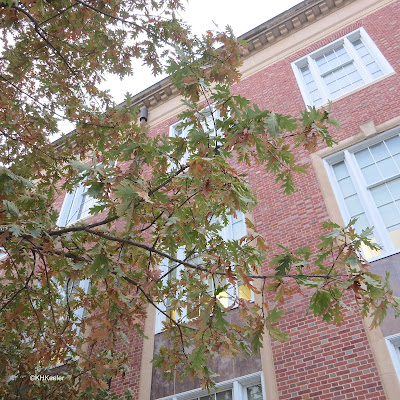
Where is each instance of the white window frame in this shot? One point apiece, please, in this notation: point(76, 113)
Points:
point(173, 133)
point(345, 41)
point(226, 234)
point(73, 204)
point(203, 115)
point(393, 344)
point(79, 313)
point(361, 186)
point(238, 385)
point(84, 285)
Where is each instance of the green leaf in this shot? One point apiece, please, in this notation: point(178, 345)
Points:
point(100, 266)
point(274, 315)
point(79, 166)
point(11, 208)
point(320, 300)
point(282, 263)
point(198, 358)
point(271, 123)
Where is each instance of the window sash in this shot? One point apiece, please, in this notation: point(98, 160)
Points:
point(207, 123)
point(364, 192)
point(72, 287)
point(322, 93)
point(76, 206)
point(393, 343)
point(238, 386)
point(225, 297)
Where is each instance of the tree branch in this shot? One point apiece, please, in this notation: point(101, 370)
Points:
point(39, 32)
point(58, 14)
point(4, 306)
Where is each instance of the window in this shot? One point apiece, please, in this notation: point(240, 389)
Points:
point(76, 206)
point(366, 181)
point(176, 130)
point(249, 387)
point(339, 68)
point(234, 230)
point(67, 292)
point(207, 118)
point(393, 343)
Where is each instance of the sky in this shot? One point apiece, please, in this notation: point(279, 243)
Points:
point(203, 15)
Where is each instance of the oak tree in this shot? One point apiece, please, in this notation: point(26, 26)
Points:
point(157, 203)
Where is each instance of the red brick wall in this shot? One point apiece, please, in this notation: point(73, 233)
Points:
point(321, 361)
point(133, 348)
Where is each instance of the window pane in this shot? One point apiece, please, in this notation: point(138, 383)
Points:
point(362, 51)
point(332, 59)
point(323, 66)
point(377, 162)
point(311, 85)
point(381, 195)
point(393, 145)
point(394, 234)
point(346, 79)
point(244, 292)
point(364, 158)
point(223, 298)
point(208, 397)
point(354, 205)
point(396, 158)
point(225, 395)
point(390, 214)
point(67, 291)
point(254, 392)
point(387, 167)
point(178, 132)
point(334, 86)
point(361, 223)
point(347, 187)
point(238, 226)
point(368, 253)
point(389, 209)
point(307, 75)
point(340, 170)
point(379, 151)
point(65, 212)
point(367, 59)
point(316, 98)
point(87, 203)
point(371, 174)
point(171, 313)
point(394, 188)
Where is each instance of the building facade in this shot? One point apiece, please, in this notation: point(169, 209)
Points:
point(347, 52)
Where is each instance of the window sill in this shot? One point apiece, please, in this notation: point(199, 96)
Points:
point(384, 256)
